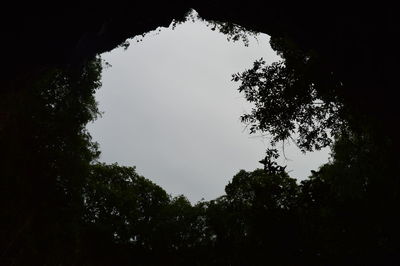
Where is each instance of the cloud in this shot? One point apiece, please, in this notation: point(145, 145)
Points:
point(172, 110)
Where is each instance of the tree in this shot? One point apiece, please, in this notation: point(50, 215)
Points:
point(255, 223)
point(300, 97)
point(46, 153)
point(348, 207)
point(130, 220)
point(287, 103)
point(127, 212)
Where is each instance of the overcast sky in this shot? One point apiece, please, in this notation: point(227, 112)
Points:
point(171, 109)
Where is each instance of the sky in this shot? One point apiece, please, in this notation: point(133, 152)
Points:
point(170, 109)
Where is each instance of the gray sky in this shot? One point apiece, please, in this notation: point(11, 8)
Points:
point(171, 109)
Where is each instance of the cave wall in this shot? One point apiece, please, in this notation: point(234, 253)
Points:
point(357, 43)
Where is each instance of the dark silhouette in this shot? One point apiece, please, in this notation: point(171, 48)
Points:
point(269, 163)
point(45, 154)
point(337, 78)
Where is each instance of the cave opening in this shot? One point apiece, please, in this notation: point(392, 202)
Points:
point(172, 110)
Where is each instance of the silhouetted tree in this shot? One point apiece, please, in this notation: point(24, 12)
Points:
point(254, 223)
point(46, 152)
point(130, 220)
point(127, 211)
point(339, 205)
point(287, 103)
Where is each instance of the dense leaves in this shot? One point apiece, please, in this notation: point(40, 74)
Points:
point(45, 154)
point(287, 103)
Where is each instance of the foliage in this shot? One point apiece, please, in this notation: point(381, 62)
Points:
point(125, 211)
point(118, 199)
point(233, 32)
point(46, 151)
point(288, 103)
